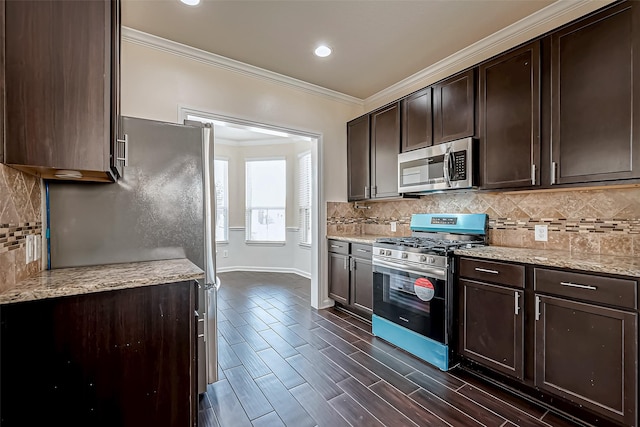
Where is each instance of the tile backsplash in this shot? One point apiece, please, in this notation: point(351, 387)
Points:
point(20, 215)
point(601, 221)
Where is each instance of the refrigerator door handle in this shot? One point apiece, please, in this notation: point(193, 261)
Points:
point(209, 207)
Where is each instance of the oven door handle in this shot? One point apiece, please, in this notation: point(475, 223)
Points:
point(440, 274)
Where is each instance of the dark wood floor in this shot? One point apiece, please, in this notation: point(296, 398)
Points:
point(283, 363)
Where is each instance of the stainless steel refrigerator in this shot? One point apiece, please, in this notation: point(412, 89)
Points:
point(162, 208)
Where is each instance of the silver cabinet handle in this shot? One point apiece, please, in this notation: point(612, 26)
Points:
point(554, 169)
point(346, 259)
point(517, 298)
point(484, 270)
point(362, 250)
point(578, 285)
point(537, 308)
point(533, 174)
point(352, 264)
point(336, 246)
point(366, 191)
point(124, 141)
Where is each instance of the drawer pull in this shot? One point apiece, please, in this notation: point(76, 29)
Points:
point(517, 296)
point(484, 270)
point(363, 250)
point(578, 285)
point(537, 308)
point(336, 246)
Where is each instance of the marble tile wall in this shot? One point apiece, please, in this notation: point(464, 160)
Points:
point(19, 216)
point(601, 221)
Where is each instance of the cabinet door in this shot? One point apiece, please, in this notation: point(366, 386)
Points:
point(417, 120)
point(58, 81)
point(510, 119)
point(358, 159)
point(588, 354)
point(362, 284)
point(492, 326)
point(385, 147)
point(113, 358)
point(454, 108)
point(595, 98)
point(339, 277)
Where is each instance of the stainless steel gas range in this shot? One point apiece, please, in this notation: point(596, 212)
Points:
point(413, 293)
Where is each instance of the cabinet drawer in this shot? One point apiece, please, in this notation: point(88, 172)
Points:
point(588, 287)
point(361, 251)
point(491, 271)
point(339, 247)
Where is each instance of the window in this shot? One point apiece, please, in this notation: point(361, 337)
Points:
point(221, 178)
point(304, 197)
point(266, 192)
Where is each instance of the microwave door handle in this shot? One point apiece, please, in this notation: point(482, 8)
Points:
point(447, 159)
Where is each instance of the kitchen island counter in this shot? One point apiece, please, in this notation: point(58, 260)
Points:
point(609, 264)
point(84, 280)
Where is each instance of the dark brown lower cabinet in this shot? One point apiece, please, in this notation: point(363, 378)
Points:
point(114, 358)
point(492, 326)
point(362, 284)
point(351, 276)
point(339, 277)
point(588, 354)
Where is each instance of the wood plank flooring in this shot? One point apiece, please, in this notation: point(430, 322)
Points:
point(282, 363)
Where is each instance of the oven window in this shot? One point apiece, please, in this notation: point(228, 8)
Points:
point(408, 300)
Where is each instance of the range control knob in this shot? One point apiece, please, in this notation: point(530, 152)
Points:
point(423, 258)
point(381, 251)
point(431, 260)
point(405, 255)
point(388, 253)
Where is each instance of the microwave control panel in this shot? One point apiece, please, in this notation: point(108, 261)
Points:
point(459, 166)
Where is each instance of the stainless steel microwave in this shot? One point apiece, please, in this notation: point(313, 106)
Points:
point(441, 167)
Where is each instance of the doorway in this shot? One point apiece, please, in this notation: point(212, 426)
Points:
point(250, 234)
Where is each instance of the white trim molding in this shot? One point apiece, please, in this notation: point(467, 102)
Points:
point(265, 270)
point(149, 40)
point(532, 26)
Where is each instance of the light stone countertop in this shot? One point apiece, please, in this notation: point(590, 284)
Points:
point(366, 239)
point(83, 280)
point(625, 266)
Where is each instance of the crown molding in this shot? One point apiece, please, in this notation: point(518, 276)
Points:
point(534, 23)
point(149, 40)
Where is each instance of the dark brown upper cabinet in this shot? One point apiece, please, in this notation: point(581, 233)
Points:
point(358, 149)
point(595, 96)
point(417, 120)
point(62, 97)
point(385, 147)
point(509, 113)
point(454, 107)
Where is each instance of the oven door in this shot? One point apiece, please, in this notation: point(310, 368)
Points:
point(411, 298)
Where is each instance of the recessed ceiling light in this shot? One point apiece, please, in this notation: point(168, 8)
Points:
point(191, 2)
point(322, 51)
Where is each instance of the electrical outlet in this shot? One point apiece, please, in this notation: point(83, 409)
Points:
point(29, 249)
point(393, 226)
point(225, 253)
point(541, 233)
point(37, 247)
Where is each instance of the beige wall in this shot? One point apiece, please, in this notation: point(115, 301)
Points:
point(156, 83)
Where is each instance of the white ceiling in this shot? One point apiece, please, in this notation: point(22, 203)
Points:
point(376, 43)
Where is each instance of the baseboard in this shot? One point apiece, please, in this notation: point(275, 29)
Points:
point(265, 270)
